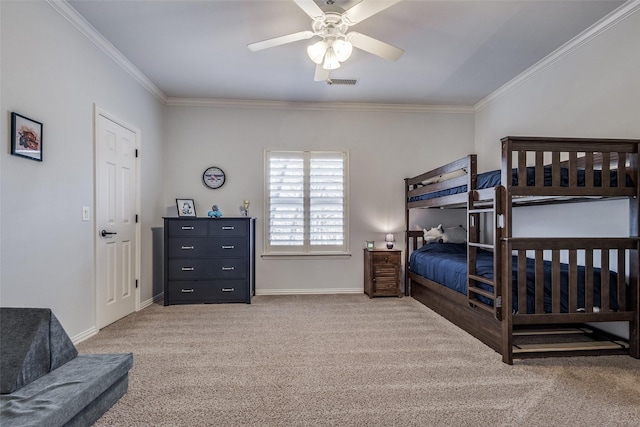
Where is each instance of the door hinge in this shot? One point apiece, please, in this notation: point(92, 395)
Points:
point(136, 283)
point(136, 153)
point(136, 218)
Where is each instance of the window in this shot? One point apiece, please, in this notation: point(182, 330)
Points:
point(306, 200)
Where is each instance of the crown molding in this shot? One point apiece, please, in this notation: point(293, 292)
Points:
point(617, 16)
point(318, 106)
point(65, 9)
point(614, 18)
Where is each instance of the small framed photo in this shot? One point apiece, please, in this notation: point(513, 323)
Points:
point(186, 207)
point(26, 137)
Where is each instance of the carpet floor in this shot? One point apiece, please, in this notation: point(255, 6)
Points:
point(347, 360)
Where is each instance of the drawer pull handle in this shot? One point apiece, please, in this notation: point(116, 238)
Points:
point(228, 228)
point(186, 291)
point(187, 269)
point(184, 227)
point(228, 247)
point(228, 290)
point(186, 248)
point(228, 268)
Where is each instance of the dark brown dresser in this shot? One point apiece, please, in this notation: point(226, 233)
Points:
point(209, 260)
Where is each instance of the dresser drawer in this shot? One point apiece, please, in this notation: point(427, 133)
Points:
point(208, 291)
point(199, 269)
point(188, 228)
point(206, 247)
point(230, 247)
point(190, 247)
point(227, 227)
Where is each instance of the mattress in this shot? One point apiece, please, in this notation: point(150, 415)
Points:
point(446, 264)
point(492, 179)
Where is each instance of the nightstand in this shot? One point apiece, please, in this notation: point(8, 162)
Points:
point(382, 272)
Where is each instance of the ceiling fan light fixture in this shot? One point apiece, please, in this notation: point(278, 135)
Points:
point(336, 41)
point(330, 60)
point(317, 51)
point(342, 49)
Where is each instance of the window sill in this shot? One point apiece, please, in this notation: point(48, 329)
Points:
point(297, 255)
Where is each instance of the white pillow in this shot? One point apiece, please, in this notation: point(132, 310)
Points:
point(434, 234)
point(455, 235)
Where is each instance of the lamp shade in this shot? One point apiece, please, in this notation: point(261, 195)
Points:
point(330, 60)
point(342, 49)
point(389, 238)
point(317, 51)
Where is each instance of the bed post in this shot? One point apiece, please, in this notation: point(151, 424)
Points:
point(407, 280)
point(505, 253)
point(634, 267)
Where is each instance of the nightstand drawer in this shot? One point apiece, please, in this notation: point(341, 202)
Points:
point(385, 258)
point(200, 269)
point(208, 291)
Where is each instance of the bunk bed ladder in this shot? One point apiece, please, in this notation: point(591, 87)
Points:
point(478, 291)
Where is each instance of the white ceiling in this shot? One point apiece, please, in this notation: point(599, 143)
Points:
point(456, 52)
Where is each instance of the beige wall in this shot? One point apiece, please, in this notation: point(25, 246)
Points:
point(384, 148)
point(55, 75)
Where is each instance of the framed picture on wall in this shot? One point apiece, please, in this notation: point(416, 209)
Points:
point(186, 207)
point(26, 137)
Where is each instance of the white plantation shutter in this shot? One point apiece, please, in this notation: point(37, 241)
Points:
point(286, 199)
point(306, 202)
point(326, 196)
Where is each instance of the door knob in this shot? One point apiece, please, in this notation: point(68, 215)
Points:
point(105, 233)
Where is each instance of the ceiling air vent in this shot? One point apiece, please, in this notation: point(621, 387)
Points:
point(347, 82)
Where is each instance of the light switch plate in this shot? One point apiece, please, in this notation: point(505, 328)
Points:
point(85, 213)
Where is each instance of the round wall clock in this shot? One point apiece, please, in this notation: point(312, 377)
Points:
point(213, 177)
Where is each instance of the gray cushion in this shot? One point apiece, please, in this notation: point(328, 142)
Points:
point(33, 343)
point(58, 397)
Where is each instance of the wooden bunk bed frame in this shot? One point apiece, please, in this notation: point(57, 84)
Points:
point(509, 329)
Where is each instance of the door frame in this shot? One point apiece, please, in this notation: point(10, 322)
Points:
point(97, 112)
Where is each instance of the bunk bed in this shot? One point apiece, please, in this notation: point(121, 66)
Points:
point(531, 296)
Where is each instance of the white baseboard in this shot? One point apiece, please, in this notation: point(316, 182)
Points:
point(155, 299)
point(309, 291)
point(84, 335)
point(94, 331)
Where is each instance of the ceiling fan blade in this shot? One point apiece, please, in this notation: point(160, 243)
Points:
point(310, 8)
point(321, 74)
point(374, 46)
point(365, 9)
point(277, 41)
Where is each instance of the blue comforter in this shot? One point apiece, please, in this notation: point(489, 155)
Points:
point(446, 264)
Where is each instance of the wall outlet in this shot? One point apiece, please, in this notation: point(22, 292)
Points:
point(85, 213)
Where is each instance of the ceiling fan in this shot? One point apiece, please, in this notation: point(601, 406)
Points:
point(336, 41)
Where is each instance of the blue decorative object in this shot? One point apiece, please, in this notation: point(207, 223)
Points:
point(214, 212)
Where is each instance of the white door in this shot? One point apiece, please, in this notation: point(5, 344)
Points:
point(116, 197)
